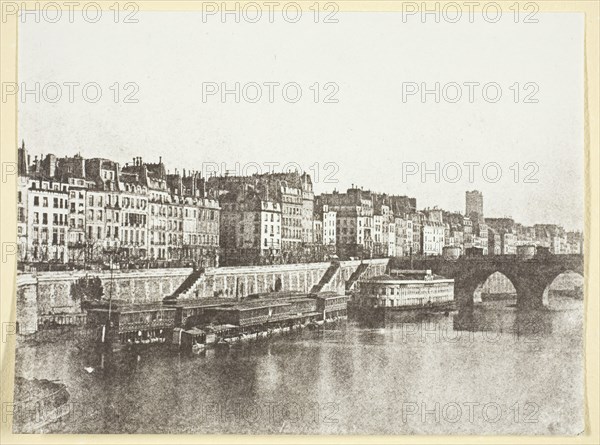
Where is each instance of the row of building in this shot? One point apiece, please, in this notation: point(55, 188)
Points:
point(85, 211)
point(94, 211)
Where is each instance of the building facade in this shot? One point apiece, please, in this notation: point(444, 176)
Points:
point(83, 212)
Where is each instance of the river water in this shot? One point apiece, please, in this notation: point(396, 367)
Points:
point(492, 370)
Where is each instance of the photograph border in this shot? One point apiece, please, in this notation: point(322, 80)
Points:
point(8, 160)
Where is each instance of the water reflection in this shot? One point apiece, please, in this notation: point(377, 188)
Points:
point(503, 320)
point(355, 377)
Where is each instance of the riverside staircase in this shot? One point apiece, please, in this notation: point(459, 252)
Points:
point(189, 286)
point(327, 278)
point(356, 275)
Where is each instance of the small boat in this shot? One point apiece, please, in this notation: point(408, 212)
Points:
point(198, 347)
point(223, 342)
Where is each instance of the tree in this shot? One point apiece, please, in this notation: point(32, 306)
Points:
point(87, 289)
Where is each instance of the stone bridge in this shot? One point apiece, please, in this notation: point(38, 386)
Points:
point(531, 277)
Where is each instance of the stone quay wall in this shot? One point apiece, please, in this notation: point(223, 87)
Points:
point(45, 294)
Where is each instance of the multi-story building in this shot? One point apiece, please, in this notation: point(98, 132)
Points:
point(505, 229)
point(454, 229)
point(432, 237)
point(89, 210)
point(384, 229)
point(508, 242)
point(194, 220)
point(389, 237)
point(48, 219)
point(294, 194)
point(251, 229)
point(467, 229)
point(480, 234)
point(329, 218)
point(403, 226)
point(318, 229)
point(354, 221)
point(494, 242)
point(417, 223)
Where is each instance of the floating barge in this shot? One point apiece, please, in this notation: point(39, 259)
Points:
point(121, 323)
point(404, 290)
point(259, 316)
point(197, 323)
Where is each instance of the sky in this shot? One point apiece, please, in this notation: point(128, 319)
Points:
point(367, 132)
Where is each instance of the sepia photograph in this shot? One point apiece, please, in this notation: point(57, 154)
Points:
point(298, 219)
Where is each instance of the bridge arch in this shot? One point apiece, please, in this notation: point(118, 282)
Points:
point(479, 281)
point(566, 280)
point(497, 283)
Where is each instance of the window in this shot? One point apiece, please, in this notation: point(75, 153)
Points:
point(45, 218)
point(36, 200)
point(45, 202)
